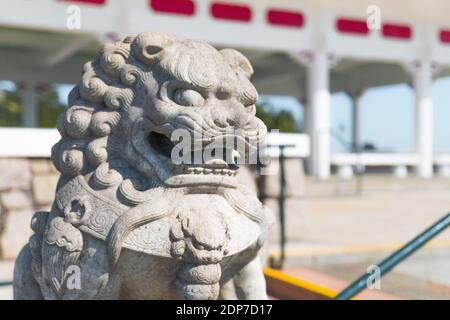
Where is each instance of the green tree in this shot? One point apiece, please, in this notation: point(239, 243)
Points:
point(49, 108)
point(10, 109)
point(276, 119)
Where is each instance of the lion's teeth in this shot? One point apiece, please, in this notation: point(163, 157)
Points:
point(200, 170)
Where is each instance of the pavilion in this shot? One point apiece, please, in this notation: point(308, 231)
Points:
point(306, 49)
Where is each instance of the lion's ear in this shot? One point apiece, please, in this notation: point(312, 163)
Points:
point(149, 46)
point(238, 61)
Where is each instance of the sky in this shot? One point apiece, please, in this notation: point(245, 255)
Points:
point(387, 115)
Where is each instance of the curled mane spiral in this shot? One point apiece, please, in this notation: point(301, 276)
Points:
point(96, 104)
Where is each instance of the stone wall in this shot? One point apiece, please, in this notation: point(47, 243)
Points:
point(26, 186)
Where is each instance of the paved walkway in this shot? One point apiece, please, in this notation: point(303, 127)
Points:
point(387, 211)
point(335, 229)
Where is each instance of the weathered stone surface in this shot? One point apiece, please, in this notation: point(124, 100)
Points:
point(15, 174)
point(16, 233)
point(191, 229)
point(43, 188)
point(16, 200)
point(247, 178)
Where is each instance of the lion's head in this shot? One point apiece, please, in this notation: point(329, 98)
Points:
point(138, 101)
point(136, 93)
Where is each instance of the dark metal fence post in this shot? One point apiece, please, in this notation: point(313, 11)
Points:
point(281, 206)
point(278, 264)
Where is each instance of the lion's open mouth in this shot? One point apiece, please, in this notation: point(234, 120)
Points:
point(161, 143)
point(218, 168)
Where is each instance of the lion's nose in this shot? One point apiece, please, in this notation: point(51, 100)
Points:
point(236, 116)
point(230, 114)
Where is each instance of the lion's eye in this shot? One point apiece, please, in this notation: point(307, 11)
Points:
point(188, 97)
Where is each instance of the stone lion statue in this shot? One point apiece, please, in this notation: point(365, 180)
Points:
point(127, 220)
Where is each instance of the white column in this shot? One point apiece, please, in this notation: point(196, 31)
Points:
point(356, 125)
point(29, 105)
point(319, 114)
point(424, 118)
point(307, 126)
